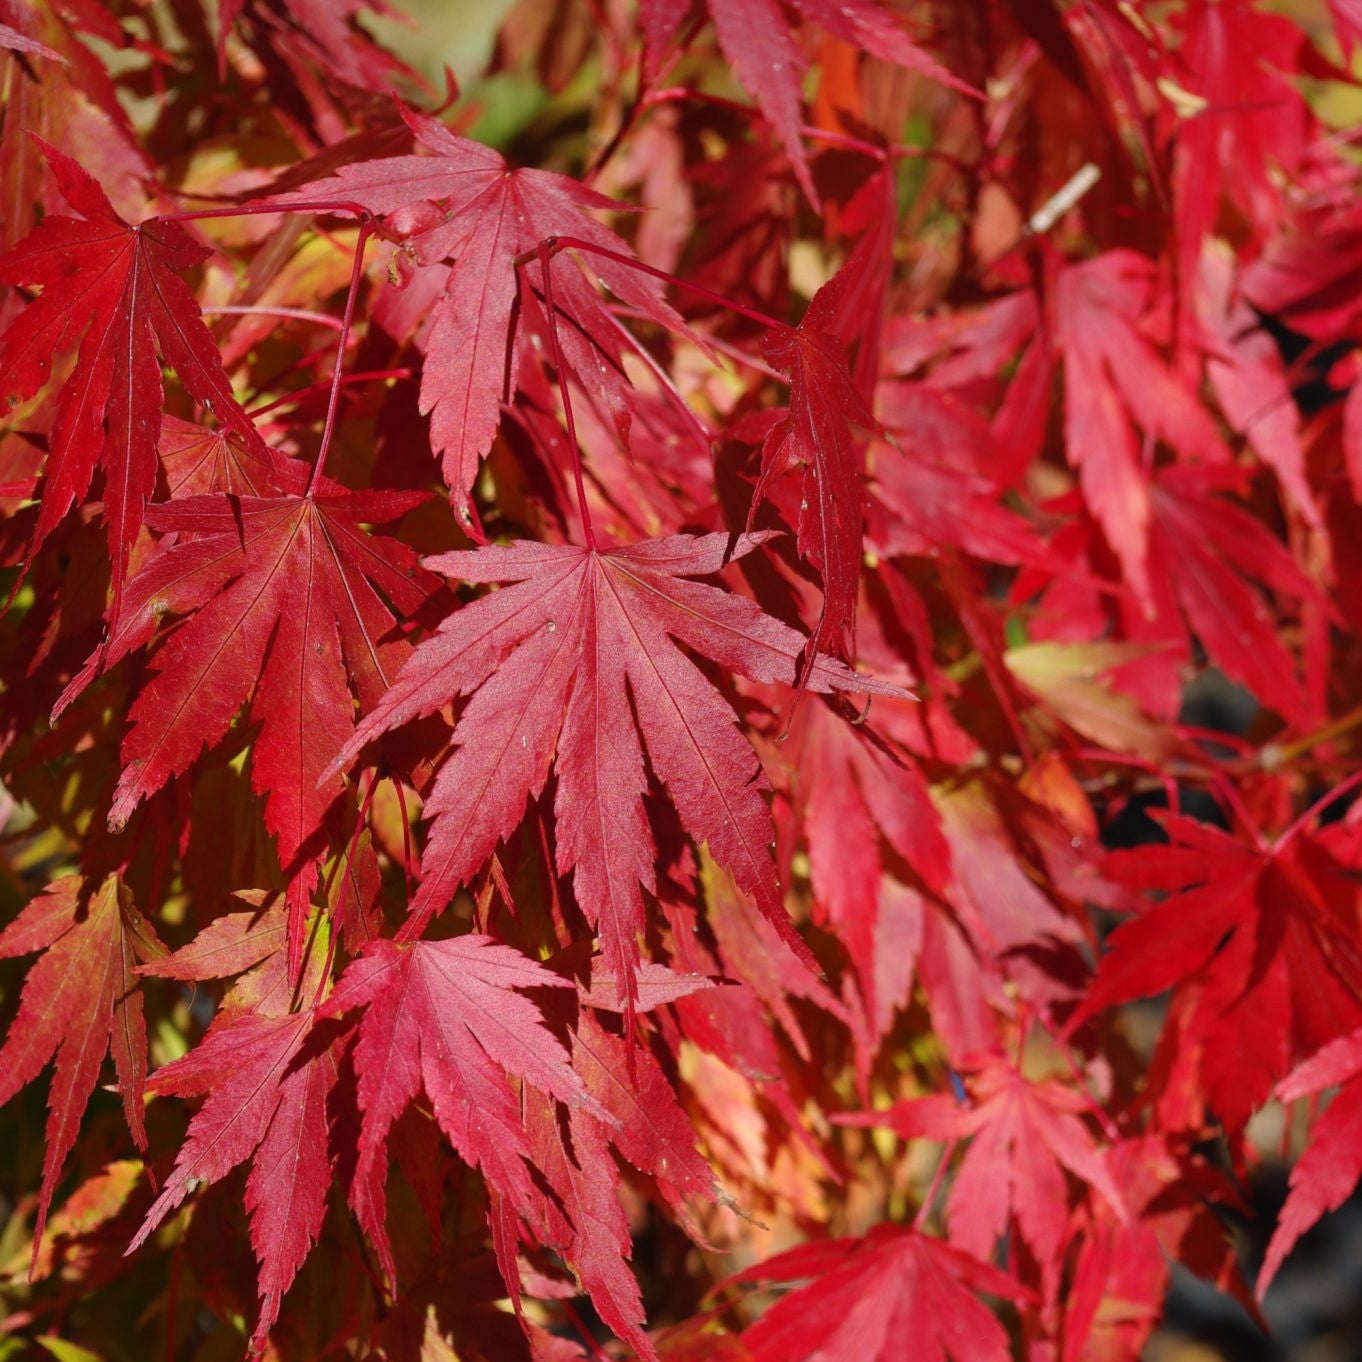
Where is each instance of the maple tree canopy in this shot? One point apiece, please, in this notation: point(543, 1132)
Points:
point(678, 681)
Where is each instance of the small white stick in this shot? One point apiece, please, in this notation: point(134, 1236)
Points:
point(1050, 212)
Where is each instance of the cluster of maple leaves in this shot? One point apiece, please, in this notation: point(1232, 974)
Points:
point(595, 722)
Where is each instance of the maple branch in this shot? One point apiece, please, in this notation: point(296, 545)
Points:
point(576, 1321)
point(588, 529)
point(247, 210)
point(1274, 756)
point(416, 922)
point(560, 928)
point(641, 101)
point(925, 1206)
point(734, 352)
point(366, 376)
point(356, 270)
point(663, 377)
point(1316, 809)
point(298, 314)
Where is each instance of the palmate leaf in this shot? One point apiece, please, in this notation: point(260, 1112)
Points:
point(1115, 382)
point(267, 1091)
point(820, 430)
point(1324, 1176)
point(1259, 945)
point(444, 1017)
point(1023, 1136)
point(313, 31)
point(1121, 1265)
point(574, 667)
point(118, 291)
point(79, 1001)
point(461, 201)
point(866, 1297)
point(284, 592)
point(1023, 419)
point(441, 1017)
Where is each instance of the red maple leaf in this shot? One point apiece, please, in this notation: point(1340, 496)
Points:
point(445, 1016)
point(1214, 571)
point(1115, 1298)
point(1259, 944)
point(198, 460)
point(90, 936)
point(584, 1219)
point(1114, 382)
point(118, 290)
point(464, 203)
point(1249, 128)
point(1249, 377)
point(820, 431)
point(314, 32)
point(1324, 1176)
point(267, 1090)
point(284, 592)
point(850, 794)
point(249, 943)
point(1023, 1137)
point(585, 672)
point(1203, 548)
point(869, 1295)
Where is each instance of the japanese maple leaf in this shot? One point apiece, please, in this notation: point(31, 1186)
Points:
point(1328, 1169)
point(80, 1000)
point(850, 794)
point(1249, 378)
point(1204, 547)
point(267, 1090)
point(584, 1219)
point(487, 215)
point(1113, 382)
point(1251, 130)
point(282, 595)
point(1214, 571)
point(868, 1296)
point(1259, 944)
point(251, 944)
point(1023, 1136)
point(574, 667)
point(1115, 1297)
point(198, 460)
point(820, 431)
point(944, 484)
point(446, 1017)
point(756, 40)
point(118, 290)
point(739, 1025)
point(71, 100)
point(650, 1130)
